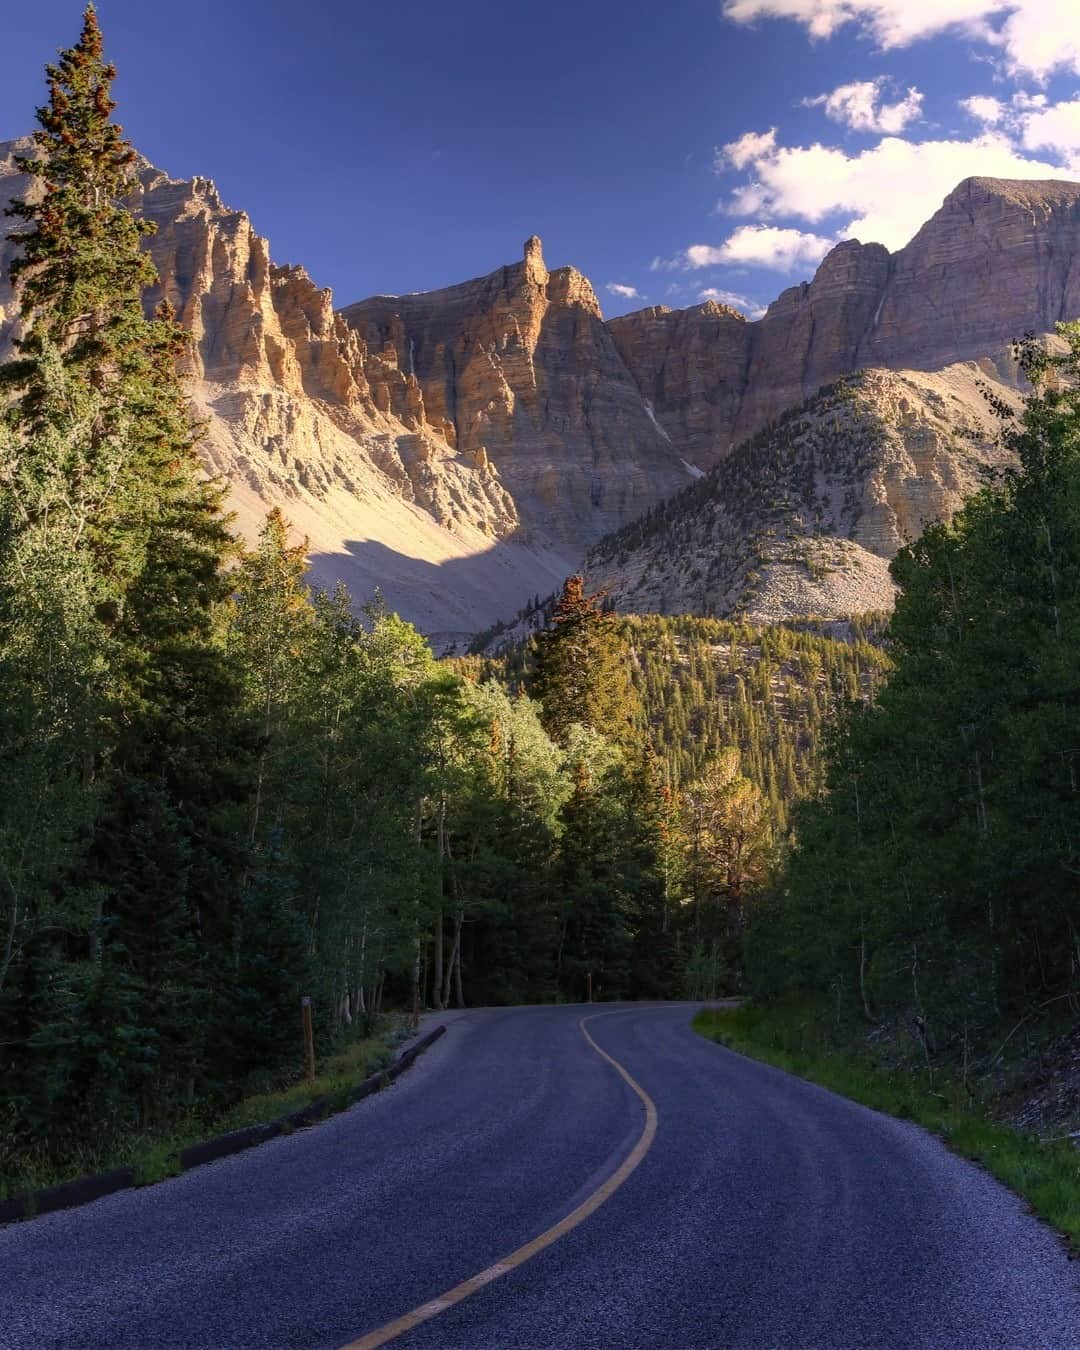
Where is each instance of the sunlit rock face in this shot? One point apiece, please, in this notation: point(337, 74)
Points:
point(299, 413)
point(463, 449)
point(520, 366)
point(998, 259)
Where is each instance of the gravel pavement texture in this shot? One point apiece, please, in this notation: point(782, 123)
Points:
point(768, 1213)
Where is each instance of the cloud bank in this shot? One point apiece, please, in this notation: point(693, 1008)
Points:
point(1035, 38)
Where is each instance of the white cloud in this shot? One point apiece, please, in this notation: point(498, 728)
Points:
point(1055, 128)
point(753, 145)
point(1039, 37)
point(782, 250)
point(733, 301)
point(888, 190)
point(859, 106)
point(1036, 37)
point(893, 23)
point(1032, 122)
point(989, 111)
point(626, 292)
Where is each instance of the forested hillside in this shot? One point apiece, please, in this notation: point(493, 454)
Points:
point(936, 880)
point(706, 686)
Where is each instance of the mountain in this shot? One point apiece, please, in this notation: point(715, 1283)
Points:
point(299, 413)
point(998, 259)
point(802, 519)
point(303, 412)
point(464, 449)
point(519, 366)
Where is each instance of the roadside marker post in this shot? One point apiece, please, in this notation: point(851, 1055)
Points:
point(309, 1038)
point(588, 986)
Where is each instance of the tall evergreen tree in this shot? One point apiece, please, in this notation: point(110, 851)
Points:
point(582, 670)
point(118, 481)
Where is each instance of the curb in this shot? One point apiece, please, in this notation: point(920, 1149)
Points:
point(82, 1190)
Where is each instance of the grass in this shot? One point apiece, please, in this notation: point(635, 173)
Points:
point(155, 1154)
point(1047, 1175)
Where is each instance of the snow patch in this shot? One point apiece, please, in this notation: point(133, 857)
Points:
point(692, 469)
point(656, 424)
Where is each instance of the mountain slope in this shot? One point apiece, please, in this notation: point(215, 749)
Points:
point(803, 518)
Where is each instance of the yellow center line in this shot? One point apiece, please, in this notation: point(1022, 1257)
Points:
point(517, 1258)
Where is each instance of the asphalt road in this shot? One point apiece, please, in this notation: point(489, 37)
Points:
point(766, 1213)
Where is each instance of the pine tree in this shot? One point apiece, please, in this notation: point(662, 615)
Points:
point(582, 675)
point(80, 277)
point(103, 461)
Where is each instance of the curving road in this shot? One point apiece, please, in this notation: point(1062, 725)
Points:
point(765, 1212)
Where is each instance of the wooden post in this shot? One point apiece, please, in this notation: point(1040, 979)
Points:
point(588, 986)
point(309, 1038)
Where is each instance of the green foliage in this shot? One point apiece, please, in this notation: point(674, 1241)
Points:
point(123, 714)
point(937, 879)
point(705, 973)
point(580, 674)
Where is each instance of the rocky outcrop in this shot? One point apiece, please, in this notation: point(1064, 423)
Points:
point(463, 448)
point(998, 259)
point(285, 379)
point(803, 518)
point(299, 413)
point(518, 366)
point(691, 368)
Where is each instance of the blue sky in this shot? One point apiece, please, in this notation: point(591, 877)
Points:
point(675, 150)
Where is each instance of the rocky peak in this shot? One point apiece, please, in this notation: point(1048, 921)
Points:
point(996, 260)
point(535, 270)
point(570, 289)
point(1043, 196)
point(713, 309)
point(519, 363)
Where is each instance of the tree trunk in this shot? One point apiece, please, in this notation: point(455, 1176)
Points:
point(862, 980)
point(453, 970)
point(437, 996)
point(459, 992)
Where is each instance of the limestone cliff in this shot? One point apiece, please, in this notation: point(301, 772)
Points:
point(300, 414)
point(998, 259)
point(691, 367)
point(285, 380)
point(463, 448)
point(519, 366)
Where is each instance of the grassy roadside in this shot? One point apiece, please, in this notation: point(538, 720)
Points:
point(1047, 1175)
point(155, 1154)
